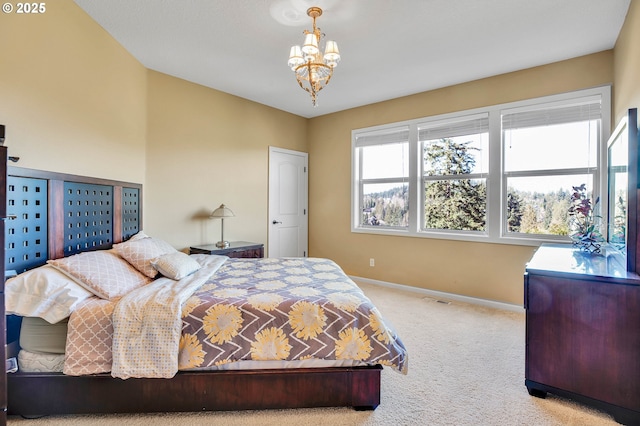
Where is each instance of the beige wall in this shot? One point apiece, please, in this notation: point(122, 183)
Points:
point(73, 100)
point(488, 271)
point(205, 148)
point(627, 64)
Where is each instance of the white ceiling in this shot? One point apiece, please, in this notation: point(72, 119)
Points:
point(389, 48)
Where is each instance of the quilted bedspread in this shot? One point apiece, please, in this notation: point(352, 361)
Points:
point(284, 309)
point(239, 309)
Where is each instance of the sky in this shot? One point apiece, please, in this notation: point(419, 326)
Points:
point(572, 145)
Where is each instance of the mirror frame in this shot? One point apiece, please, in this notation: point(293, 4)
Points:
point(626, 132)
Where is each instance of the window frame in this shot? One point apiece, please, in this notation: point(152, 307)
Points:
point(496, 177)
point(423, 179)
point(361, 181)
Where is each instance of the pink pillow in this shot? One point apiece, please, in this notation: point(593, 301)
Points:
point(142, 252)
point(102, 272)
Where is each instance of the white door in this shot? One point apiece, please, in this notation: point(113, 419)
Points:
point(288, 203)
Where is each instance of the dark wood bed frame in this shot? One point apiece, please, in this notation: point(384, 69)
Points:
point(66, 232)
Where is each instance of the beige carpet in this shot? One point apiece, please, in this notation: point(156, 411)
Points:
point(466, 367)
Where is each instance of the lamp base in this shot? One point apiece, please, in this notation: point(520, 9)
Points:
point(222, 244)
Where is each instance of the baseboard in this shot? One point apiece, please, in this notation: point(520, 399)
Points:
point(441, 295)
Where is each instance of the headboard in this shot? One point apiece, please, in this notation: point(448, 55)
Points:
point(53, 215)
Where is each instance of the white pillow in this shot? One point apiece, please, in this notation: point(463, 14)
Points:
point(140, 235)
point(140, 252)
point(102, 272)
point(43, 292)
point(176, 265)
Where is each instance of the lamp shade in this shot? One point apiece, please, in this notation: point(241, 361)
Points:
point(310, 46)
point(222, 211)
point(331, 52)
point(295, 57)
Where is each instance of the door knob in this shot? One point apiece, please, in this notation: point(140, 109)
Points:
point(275, 222)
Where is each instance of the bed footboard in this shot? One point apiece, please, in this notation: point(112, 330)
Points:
point(33, 394)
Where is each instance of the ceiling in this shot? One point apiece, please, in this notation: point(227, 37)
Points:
point(389, 48)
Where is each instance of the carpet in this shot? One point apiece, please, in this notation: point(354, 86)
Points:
point(466, 367)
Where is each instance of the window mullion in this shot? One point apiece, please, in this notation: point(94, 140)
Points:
point(553, 172)
point(399, 179)
point(496, 186)
point(416, 197)
point(466, 176)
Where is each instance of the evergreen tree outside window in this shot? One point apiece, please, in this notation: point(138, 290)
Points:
point(454, 172)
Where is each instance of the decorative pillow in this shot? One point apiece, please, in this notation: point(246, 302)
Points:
point(43, 292)
point(141, 252)
point(140, 235)
point(102, 272)
point(176, 265)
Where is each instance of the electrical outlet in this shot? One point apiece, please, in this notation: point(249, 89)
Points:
point(372, 262)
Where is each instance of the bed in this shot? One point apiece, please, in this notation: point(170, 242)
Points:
point(204, 305)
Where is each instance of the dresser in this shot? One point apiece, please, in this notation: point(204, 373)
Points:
point(235, 249)
point(583, 330)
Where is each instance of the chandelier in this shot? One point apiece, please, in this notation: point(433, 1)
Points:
point(314, 70)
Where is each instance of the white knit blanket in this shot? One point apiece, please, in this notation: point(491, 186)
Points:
point(147, 324)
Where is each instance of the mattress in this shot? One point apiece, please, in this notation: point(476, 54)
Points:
point(39, 336)
point(30, 362)
point(42, 345)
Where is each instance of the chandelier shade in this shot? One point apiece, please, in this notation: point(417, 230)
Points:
point(313, 69)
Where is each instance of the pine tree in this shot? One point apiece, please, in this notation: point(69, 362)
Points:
point(529, 221)
point(458, 204)
point(514, 211)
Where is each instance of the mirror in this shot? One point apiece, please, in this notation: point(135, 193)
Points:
point(622, 188)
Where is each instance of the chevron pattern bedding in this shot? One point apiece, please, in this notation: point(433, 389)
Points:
point(284, 309)
point(253, 310)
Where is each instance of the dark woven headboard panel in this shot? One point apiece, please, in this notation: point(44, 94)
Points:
point(26, 233)
point(56, 215)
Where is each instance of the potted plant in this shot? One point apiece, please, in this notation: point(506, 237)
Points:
point(585, 221)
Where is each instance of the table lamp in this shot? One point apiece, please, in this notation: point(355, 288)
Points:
point(220, 213)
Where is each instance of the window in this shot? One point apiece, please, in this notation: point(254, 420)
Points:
point(499, 174)
point(454, 169)
point(547, 151)
point(383, 177)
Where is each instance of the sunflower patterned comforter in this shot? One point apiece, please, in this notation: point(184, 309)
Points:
point(284, 309)
point(251, 310)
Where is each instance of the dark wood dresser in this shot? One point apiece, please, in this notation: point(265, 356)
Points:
point(583, 330)
point(235, 249)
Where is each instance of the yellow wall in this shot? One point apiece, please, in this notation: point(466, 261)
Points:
point(627, 64)
point(205, 148)
point(73, 100)
point(488, 271)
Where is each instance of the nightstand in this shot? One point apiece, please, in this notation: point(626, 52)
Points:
point(235, 249)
